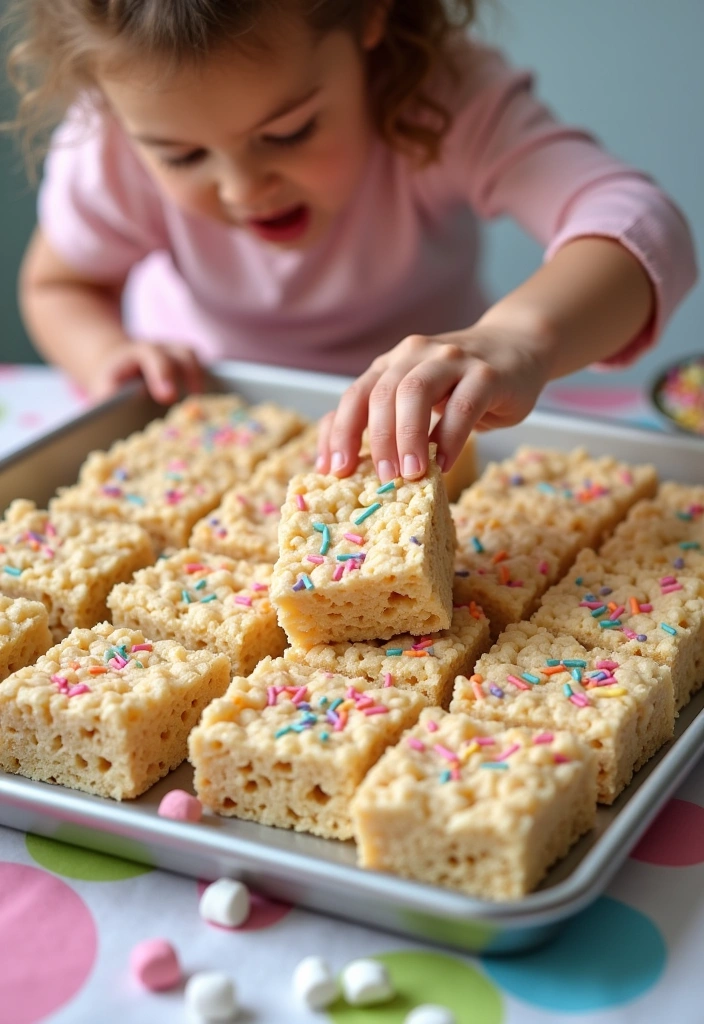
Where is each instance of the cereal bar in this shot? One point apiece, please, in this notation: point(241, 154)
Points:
point(24, 633)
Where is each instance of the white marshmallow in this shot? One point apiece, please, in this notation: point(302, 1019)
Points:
point(365, 982)
point(225, 902)
point(314, 984)
point(430, 1014)
point(210, 996)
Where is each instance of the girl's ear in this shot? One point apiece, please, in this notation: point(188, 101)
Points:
point(375, 24)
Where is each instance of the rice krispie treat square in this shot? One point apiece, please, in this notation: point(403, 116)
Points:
point(246, 523)
point(203, 601)
point(622, 706)
point(633, 612)
point(106, 711)
point(570, 491)
point(288, 745)
point(462, 804)
point(68, 562)
point(664, 533)
point(360, 560)
point(428, 666)
point(24, 633)
point(166, 502)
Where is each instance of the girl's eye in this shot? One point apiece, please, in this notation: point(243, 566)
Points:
point(185, 159)
point(292, 140)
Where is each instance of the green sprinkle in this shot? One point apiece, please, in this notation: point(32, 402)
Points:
point(668, 629)
point(394, 652)
point(576, 674)
point(11, 570)
point(185, 596)
point(478, 546)
point(210, 597)
point(567, 690)
point(199, 586)
point(496, 765)
point(596, 612)
point(690, 545)
point(139, 664)
point(390, 486)
point(578, 581)
point(546, 488)
point(686, 516)
point(574, 663)
point(530, 678)
point(322, 702)
point(446, 775)
point(307, 582)
point(367, 512)
point(135, 499)
point(282, 732)
point(325, 736)
point(553, 662)
point(610, 624)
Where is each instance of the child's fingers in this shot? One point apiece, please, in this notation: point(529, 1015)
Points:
point(322, 463)
point(190, 368)
point(423, 387)
point(159, 373)
point(348, 424)
point(466, 405)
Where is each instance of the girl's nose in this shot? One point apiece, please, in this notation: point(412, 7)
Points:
point(243, 189)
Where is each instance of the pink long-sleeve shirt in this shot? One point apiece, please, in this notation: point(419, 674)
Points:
point(402, 258)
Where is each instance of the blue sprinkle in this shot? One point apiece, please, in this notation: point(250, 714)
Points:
point(596, 612)
point(642, 637)
point(283, 731)
point(576, 674)
point(690, 545)
point(500, 765)
point(446, 776)
point(553, 662)
point(185, 596)
point(574, 663)
point(210, 597)
point(567, 690)
point(367, 512)
point(390, 486)
point(530, 678)
point(324, 736)
point(605, 590)
point(414, 540)
point(135, 499)
point(546, 488)
point(668, 629)
point(199, 586)
point(578, 581)
point(11, 570)
point(477, 544)
point(610, 623)
point(496, 690)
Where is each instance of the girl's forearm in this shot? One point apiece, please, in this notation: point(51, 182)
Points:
point(585, 305)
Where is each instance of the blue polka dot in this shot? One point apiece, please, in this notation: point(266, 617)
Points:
point(604, 957)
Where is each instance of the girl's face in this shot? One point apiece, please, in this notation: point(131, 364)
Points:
point(275, 145)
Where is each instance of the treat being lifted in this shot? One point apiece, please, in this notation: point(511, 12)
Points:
point(106, 711)
point(360, 560)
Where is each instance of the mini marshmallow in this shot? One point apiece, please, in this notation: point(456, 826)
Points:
point(210, 996)
point(430, 1014)
point(314, 984)
point(365, 982)
point(225, 902)
point(155, 965)
point(181, 806)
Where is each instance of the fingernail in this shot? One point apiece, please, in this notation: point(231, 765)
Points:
point(337, 461)
point(411, 465)
point(386, 471)
point(319, 463)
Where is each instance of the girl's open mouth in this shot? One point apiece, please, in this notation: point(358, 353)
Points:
point(285, 227)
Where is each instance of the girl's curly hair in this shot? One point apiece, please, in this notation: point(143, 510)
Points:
point(56, 43)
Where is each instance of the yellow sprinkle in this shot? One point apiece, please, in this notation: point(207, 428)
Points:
point(608, 691)
point(468, 751)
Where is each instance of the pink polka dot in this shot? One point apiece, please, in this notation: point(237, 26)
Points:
point(265, 912)
point(42, 922)
point(676, 837)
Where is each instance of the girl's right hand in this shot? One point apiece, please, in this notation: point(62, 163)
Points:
point(165, 368)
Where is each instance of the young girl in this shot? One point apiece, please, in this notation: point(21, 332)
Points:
point(299, 182)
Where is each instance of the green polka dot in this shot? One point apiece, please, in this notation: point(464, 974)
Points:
point(473, 936)
point(428, 978)
point(90, 865)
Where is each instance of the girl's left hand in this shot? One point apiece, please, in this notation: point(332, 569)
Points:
point(484, 377)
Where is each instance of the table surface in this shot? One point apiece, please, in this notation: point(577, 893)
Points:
point(69, 917)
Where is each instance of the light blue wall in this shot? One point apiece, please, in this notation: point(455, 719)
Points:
point(632, 71)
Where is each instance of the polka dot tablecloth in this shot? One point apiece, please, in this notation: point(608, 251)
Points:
point(69, 917)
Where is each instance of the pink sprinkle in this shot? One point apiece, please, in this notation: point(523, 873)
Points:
point(449, 755)
point(422, 644)
point(507, 752)
point(608, 664)
point(120, 660)
point(518, 682)
point(339, 724)
point(609, 681)
point(543, 568)
point(484, 741)
point(353, 693)
point(300, 501)
point(50, 530)
point(315, 559)
point(271, 695)
point(627, 477)
point(591, 604)
point(432, 726)
point(667, 580)
point(49, 552)
point(194, 566)
point(242, 599)
point(354, 538)
point(544, 737)
point(629, 633)
point(364, 701)
point(560, 759)
point(455, 774)
point(617, 611)
point(56, 678)
point(388, 679)
point(260, 586)
point(646, 607)
point(241, 498)
point(75, 691)
point(672, 588)
point(579, 699)
point(268, 508)
point(378, 710)
point(299, 695)
point(515, 583)
point(141, 647)
point(415, 744)
point(337, 575)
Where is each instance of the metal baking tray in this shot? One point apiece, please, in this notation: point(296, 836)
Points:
point(317, 873)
